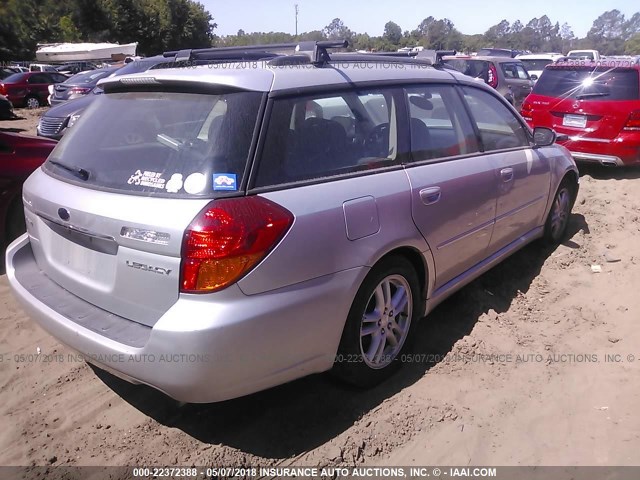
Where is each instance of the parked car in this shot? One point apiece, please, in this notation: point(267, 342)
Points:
point(29, 89)
point(245, 225)
point(499, 52)
point(505, 74)
point(591, 55)
point(72, 68)
point(7, 72)
point(535, 62)
point(79, 85)
point(6, 109)
point(55, 122)
point(595, 106)
point(42, 67)
point(19, 157)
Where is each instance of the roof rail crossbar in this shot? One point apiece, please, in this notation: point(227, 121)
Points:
point(320, 56)
point(443, 53)
point(194, 53)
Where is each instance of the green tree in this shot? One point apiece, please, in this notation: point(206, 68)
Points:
point(392, 33)
point(337, 30)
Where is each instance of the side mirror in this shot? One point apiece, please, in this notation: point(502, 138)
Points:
point(534, 77)
point(543, 136)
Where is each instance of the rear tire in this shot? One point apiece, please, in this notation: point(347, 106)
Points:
point(555, 228)
point(379, 323)
point(32, 102)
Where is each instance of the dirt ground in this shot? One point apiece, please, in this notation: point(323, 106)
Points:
point(535, 363)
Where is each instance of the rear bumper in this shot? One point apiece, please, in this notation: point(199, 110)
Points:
point(205, 348)
point(620, 151)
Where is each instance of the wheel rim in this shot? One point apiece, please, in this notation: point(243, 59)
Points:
point(386, 321)
point(560, 213)
point(33, 102)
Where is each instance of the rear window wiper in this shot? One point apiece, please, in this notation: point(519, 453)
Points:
point(592, 94)
point(77, 171)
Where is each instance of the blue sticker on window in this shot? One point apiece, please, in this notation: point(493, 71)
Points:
point(224, 181)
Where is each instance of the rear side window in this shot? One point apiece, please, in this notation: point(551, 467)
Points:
point(161, 143)
point(318, 136)
point(439, 123)
point(498, 126)
point(39, 78)
point(472, 68)
point(16, 78)
point(588, 83)
point(514, 70)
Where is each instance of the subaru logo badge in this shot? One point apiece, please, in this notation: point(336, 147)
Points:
point(64, 214)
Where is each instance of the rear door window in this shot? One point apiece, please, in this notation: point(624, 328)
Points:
point(588, 83)
point(161, 143)
point(439, 123)
point(312, 137)
point(497, 125)
point(514, 71)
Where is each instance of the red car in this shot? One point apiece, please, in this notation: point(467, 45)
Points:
point(29, 89)
point(19, 157)
point(594, 106)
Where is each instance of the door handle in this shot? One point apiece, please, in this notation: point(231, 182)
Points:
point(506, 174)
point(430, 195)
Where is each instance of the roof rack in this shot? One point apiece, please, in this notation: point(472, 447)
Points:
point(316, 52)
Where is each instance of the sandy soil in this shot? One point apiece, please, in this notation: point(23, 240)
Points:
point(535, 363)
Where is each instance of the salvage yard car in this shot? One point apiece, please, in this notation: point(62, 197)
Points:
point(507, 75)
point(595, 105)
point(241, 226)
point(20, 155)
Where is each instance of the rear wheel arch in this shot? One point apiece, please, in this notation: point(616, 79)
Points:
point(417, 261)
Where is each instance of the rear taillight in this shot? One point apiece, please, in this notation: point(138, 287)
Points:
point(492, 76)
point(633, 122)
point(227, 239)
point(3, 90)
point(527, 111)
point(79, 91)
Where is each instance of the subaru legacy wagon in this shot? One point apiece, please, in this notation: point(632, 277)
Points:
point(218, 230)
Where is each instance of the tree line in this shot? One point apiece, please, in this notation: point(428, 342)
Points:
point(611, 33)
point(160, 25)
point(157, 25)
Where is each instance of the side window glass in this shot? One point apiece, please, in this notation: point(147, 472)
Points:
point(439, 123)
point(318, 136)
point(37, 78)
point(498, 126)
point(522, 73)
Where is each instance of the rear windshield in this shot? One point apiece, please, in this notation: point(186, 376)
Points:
point(88, 77)
point(160, 143)
point(535, 63)
point(15, 78)
point(588, 83)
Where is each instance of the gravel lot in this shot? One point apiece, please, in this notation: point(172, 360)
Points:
point(535, 363)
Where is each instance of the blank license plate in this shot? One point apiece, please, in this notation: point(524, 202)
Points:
point(579, 121)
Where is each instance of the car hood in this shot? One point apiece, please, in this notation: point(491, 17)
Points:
point(70, 107)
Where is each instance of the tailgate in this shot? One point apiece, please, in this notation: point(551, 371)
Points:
point(119, 252)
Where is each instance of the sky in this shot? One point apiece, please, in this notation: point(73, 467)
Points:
point(468, 16)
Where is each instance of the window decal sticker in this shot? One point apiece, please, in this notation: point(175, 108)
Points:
point(224, 181)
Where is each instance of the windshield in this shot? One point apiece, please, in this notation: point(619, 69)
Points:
point(160, 143)
point(588, 83)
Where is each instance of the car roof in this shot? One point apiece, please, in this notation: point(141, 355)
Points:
point(539, 56)
point(267, 77)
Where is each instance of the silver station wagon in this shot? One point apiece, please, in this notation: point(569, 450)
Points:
point(213, 231)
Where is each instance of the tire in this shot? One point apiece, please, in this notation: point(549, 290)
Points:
point(555, 227)
point(372, 342)
point(32, 102)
